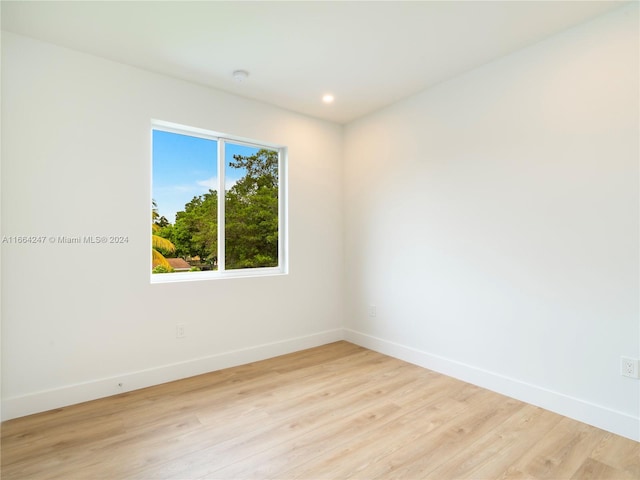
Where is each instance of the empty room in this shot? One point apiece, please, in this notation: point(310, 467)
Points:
point(320, 240)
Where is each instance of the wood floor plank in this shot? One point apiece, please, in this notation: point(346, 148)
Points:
point(274, 461)
point(561, 455)
point(336, 411)
point(618, 453)
point(285, 460)
point(594, 470)
point(303, 415)
point(351, 460)
point(495, 451)
point(417, 459)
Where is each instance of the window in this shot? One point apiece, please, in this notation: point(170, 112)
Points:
point(217, 205)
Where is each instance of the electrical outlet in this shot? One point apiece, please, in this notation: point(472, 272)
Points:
point(373, 311)
point(629, 367)
point(181, 330)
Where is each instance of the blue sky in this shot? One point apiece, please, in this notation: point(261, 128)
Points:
point(184, 167)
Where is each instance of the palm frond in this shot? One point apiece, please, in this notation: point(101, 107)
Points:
point(158, 259)
point(159, 243)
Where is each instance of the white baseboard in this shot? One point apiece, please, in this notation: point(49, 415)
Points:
point(607, 419)
point(20, 406)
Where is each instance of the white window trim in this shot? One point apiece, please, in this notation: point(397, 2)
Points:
point(283, 244)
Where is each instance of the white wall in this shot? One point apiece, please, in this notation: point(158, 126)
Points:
point(493, 220)
point(78, 319)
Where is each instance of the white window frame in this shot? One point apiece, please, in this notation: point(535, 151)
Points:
point(222, 139)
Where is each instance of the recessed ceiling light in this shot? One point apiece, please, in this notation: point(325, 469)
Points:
point(240, 76)
point(328, 98)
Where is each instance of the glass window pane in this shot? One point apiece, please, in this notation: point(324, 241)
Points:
point(185, 203)
point(251, 207)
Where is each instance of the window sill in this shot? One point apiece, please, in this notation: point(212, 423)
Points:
point(203, 276)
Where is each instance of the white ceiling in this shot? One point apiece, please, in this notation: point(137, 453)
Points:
point(368, 54)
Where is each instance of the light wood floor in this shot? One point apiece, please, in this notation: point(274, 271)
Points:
point(333, 412)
